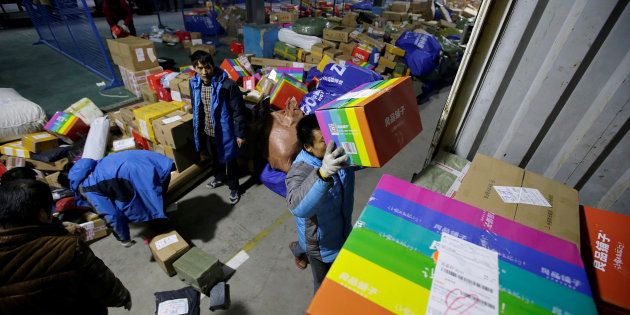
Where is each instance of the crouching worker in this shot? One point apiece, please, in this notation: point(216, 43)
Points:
point(43, 269)
point(320, 194)
point(123, 187)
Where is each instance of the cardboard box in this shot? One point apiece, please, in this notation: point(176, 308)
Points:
point(249, 83)
point(266, 62)
point(45, 166)
point(15, 148)
point(367, 40)
point(135, 81)
point(124, 144)
point(85, 109)
point(338, 34)
point(388, 264)
point(94, 230)
point(312, 59)
point(424, 8)
point(52, 180)
point(399, 6)
point(285, 51)
point(333, 53)
point(174, 129)
point(319, 48)
point(68, 127)
point(205, 47)
point(283, 17)
point(184, 157)
point(145, 115)
point(175, 84)
point(485, 173)
point(133, 53)
point(40, 142)
point(604, 236)
point(234, 69)
point(373, 122)
point(350, 19)
point(199, 269)
point(361, 53)
point(167, 248)
point(387, 63)
point(395, 17)
point(286, 91)
point(394, 50)
point(149, 95)
point(347, 48)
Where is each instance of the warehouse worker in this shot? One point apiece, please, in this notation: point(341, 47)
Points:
point(116, 10)
point(45, 270)
point(320, 194)
point(123, 187)
point(218, 120)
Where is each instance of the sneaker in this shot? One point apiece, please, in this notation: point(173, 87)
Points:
point(234, 197)
point(127, 244)
point(214, 183)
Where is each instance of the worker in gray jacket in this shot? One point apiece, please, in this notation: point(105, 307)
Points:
point(320, 194)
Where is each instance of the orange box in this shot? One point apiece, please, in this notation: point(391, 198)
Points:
point(333, 298)
point(604, 236)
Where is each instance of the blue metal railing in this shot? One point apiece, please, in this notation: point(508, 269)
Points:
point(67, 27)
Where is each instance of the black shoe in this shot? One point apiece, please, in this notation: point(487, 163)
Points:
point(234, 197)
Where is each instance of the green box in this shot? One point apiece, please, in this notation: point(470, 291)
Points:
point(199, 269)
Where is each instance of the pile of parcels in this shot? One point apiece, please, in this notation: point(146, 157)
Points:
point(486, 237)
point(370, 116)
point(203, 272)
point(425, 39)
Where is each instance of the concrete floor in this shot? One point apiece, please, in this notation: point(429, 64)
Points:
point(269, 282)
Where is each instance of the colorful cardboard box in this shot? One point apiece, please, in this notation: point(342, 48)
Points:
point(40, 142)
point(154, 80)
point(267, 62)
point(16, 149)
point(249, 83)
point(562, 219)
point(145, 115)
point(67, 126)
point(286, 91)
point(234, 69)
point(604, 237)
point(387, 264)
point(372, 122)
point(166, 248)
point(297, 73)
point(286, 51)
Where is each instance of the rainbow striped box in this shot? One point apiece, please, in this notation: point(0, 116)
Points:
point(287, 90)
point(234, 69)
point(297, 73)
point(387, 263)
point(373, 122)
point(68, 127)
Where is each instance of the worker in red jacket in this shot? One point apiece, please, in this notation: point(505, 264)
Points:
point(116, 10)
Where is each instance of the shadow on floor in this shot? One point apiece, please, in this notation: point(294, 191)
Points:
point(197, 218)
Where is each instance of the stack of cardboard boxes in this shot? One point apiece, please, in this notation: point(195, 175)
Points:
point(136, 59)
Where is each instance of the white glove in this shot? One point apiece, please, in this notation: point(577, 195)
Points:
point(333, 160)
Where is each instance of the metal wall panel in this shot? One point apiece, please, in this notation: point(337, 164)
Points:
point(554, 96)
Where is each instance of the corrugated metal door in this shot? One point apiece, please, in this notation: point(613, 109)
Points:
point(547, 87)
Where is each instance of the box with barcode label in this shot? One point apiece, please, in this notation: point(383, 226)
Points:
point(146, 114)
point(15, 149)
point(40, 142)
point(372, 122)
point(94, 229)
point(174, 129)
point(166, 248)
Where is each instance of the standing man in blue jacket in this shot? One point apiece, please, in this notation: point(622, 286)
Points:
point(123, 187)
point(320, 194)
point(218, 120)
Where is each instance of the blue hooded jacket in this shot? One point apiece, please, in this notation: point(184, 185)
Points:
point(124, 187)
point(227, 115)
point(322, 210)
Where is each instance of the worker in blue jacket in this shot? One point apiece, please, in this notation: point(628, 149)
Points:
point(219, 123)
point(123, 187)
point(320, 194)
